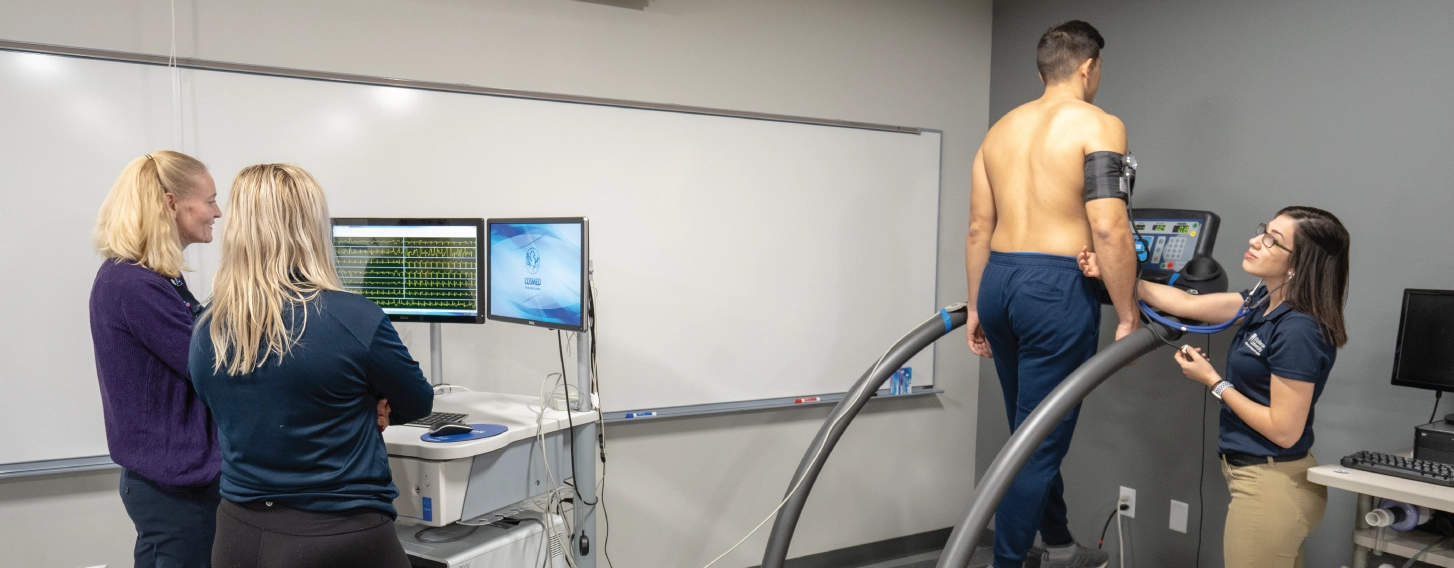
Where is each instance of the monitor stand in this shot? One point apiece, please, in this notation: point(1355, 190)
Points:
point(1449, 418)
point(583, 349)
point(583, 372)
point(436, 354)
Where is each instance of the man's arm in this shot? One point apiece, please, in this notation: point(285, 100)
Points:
point(977, 249)
point(1111, 234)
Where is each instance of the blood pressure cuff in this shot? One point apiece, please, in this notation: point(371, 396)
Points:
point(1109, 174)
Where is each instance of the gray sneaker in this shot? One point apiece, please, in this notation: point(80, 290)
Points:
point(1083, 558)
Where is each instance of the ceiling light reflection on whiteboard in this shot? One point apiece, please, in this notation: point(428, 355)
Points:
point(395, 98)
point(43, 66)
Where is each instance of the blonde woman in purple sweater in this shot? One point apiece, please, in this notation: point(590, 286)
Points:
point(157, 429)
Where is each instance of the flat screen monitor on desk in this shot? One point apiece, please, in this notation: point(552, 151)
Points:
point(538, 270)
point(1424, 356)
point(419, 270)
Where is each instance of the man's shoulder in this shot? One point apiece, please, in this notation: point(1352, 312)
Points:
point(1087, 113)
point(1061, 116)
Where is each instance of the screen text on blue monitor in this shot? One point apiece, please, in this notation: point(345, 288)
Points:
point(535, 272)
point(411, 270)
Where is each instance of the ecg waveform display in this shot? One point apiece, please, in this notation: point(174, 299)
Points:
point(411, 273)
point(405, 263)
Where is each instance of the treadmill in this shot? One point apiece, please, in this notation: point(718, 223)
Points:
point(1174, 247)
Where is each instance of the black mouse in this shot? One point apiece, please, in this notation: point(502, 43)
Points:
point(450, 429)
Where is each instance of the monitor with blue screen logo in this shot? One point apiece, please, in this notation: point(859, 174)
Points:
point(538, 271)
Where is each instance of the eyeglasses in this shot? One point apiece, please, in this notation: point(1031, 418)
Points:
point(1268, 240)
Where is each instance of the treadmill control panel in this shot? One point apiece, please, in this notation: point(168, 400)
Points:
point(1166, 244)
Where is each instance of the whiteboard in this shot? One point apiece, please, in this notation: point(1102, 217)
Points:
point(735, 259)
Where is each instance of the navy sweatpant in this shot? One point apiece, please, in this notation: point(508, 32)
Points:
point(1042, 319)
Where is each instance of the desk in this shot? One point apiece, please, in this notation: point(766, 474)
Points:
point(1370, 485)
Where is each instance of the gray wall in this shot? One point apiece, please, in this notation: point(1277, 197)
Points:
point(680, 491)
point(1243, 107)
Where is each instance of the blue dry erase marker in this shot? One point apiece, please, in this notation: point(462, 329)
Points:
point(640, 414)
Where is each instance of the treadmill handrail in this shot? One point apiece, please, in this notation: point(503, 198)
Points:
point(1007, 464)
point(946, 320)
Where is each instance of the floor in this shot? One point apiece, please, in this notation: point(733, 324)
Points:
point(981, 558)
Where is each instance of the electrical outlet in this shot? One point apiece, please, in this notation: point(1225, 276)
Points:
point(1179, 513)
point(1127, 498)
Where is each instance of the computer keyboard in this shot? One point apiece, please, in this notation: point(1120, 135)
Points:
point(1399, 466)
point(437, 418)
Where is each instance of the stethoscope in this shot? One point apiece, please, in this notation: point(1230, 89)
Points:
point(1243, 312)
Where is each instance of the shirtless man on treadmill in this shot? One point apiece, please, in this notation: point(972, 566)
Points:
point(1050, 179)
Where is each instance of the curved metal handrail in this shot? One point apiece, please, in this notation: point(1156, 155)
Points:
point(947, 320)
point(1036, 428)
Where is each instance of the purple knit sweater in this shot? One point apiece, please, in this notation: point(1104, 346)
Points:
point(155, 424)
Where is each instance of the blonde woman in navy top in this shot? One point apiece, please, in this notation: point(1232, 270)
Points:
point(294, 370)
point(1277, 367)
point(141, 322)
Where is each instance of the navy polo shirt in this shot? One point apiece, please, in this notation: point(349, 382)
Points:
point(1284, 342)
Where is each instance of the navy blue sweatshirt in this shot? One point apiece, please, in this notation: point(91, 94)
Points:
point(303, 432)
point(155, 425)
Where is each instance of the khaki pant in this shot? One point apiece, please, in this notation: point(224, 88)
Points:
point(1273, 509)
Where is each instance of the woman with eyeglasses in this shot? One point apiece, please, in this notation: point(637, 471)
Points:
point(1277, 367)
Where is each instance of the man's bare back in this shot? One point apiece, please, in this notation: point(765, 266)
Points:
point(1028, 192)
point(1034, 162)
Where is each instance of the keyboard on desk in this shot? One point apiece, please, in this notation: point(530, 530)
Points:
point(1399, 466)
point(437, 418)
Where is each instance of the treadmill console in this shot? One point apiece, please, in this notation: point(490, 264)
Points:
point(1170, 238)
point(1174, 246)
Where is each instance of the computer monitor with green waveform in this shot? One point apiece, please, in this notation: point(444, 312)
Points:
point(418, 270)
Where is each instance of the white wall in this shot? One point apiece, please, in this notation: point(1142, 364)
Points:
point(679, 491)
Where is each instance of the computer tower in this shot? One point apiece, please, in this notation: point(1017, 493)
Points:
point(1434, 442)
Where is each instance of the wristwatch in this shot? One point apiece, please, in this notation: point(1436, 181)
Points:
point(1219, 387)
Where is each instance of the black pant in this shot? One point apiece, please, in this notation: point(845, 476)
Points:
point(174, 525)
point(250, 535)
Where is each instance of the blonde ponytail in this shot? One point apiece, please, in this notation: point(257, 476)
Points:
point(135, 223)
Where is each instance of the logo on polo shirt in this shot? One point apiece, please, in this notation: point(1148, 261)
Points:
point(1255, 344)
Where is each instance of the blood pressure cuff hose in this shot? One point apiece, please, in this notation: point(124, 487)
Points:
point(1109, 174)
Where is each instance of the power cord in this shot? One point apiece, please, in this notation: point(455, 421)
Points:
point(876, 366)
point(1105, 527)
point(421, 532)
point(1120, 535)
point(1435, 412)
point(1202, 472)
point(600, 424)
point(540, 440)
point(1426, 549)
